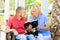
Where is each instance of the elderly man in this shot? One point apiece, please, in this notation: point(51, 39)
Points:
point(16, 24)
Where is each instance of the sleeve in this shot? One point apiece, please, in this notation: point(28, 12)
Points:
point(9, 23)
point(45, 19)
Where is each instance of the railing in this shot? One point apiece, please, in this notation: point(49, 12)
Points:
point(2, 34)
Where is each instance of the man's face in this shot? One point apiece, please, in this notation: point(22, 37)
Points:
point(22, 13)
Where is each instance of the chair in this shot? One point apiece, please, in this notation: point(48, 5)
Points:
point(52, 29)
point(56, 33)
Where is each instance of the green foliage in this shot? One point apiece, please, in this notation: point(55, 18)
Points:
point(50, 1)
point(12, 4)
point(29, 3)
point(1, 4)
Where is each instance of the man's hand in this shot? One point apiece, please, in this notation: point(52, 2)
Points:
point(14, 31)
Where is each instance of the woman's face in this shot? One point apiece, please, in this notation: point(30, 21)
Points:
point(34, 12)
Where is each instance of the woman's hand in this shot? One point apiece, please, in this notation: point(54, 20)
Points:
point(38, 27)
point(43, 27)
point(33, 30)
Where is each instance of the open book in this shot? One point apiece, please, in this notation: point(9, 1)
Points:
point(34, 27)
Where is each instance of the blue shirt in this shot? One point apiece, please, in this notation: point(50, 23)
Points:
point(42, 20)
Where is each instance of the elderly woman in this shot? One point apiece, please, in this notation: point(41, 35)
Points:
point(43, 27)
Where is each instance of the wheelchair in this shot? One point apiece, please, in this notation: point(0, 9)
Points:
point(10, 36)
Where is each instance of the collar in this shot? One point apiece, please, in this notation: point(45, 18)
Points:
point(17, 18)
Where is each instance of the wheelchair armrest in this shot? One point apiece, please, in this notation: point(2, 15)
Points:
point(10, 32)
